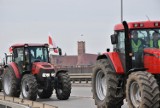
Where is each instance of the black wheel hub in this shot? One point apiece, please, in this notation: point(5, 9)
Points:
point(27, 88)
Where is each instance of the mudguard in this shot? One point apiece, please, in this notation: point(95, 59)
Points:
point(114, 60)
point(61, 71)
point(13, 66)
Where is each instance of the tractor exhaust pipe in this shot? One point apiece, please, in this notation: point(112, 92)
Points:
point(128, 51)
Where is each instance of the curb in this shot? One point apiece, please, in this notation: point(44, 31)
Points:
point(12, 102)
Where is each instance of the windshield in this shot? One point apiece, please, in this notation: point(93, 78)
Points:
point(149, 37)
point(140, 39)
point(39, 54)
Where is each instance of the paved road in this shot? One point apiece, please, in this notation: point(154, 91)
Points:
point(81, 97)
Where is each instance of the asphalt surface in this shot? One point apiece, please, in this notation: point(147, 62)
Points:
point(81, 97)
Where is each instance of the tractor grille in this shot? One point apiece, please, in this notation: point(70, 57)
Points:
point(48, 71)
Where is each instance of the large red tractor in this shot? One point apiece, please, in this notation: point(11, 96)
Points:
point(132, 70)
point(30, 73)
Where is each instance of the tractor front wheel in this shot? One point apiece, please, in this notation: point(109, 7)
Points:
point(29, 87)
point(104, 86)
point(63, 87)
point(46, 92)
point(142, 90)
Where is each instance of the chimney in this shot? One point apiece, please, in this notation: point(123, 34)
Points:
point(81, 47)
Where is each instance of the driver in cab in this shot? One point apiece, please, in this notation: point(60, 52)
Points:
point(137, 49)
point(155, 42)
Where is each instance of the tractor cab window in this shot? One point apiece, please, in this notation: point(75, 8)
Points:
point(39, 54)
point(9, 59)
point(137, 45)
point(148, 38)
point(154, 38)
point(18, 54)
point(140, 39)
point(121, 46)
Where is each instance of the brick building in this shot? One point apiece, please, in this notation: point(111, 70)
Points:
point(83, 61)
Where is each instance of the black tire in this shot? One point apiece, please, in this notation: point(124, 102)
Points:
point(63, 88)
point(10, 83)
point(1, 85)
point(104, 86)
point(47, 92)
point(142, 90)
point(29, 87)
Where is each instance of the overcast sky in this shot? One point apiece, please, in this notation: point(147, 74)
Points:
point(32, 20)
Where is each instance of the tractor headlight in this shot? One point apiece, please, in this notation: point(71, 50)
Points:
point(45, 74)
point(52, 74)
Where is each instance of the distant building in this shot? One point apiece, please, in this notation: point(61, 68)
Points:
point(83, 59)
point(81, 47)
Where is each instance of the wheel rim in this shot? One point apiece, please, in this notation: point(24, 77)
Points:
point(101, 85)
point(40, 90)
point(59, 89)
point(7, 84)
point(25, 88)
point(135, 94)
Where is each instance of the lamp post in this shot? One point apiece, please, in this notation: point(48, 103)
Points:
point(121, 10)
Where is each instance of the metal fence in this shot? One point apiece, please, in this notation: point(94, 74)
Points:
point(78, 74)
point(77, 69)
point(81, 77)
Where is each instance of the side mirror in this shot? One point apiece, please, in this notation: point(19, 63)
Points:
point(114, 39)
point(108, 50)
point(5, 59)
point(60, 51)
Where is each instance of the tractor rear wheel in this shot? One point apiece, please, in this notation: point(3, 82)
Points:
point(10, 83)
point(142, 90)
point(63, 88)
point(104, 86)
point(29, 87)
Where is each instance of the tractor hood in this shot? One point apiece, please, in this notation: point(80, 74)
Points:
point(42, 67)
point(152, 60)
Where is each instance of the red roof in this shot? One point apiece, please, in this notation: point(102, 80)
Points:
point(28, 44)
point(141, 24)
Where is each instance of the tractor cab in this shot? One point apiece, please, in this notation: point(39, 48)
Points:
point(25, 55)
point(143, 38)
point(132, 70)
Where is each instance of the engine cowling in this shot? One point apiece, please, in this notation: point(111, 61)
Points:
point(43, 70)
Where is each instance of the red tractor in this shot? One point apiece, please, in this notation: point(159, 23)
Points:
point(132, 70)
point(6, 60)
point(31, 74)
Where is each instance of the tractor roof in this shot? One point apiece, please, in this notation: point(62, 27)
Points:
point(28, 44)
point(139, 25)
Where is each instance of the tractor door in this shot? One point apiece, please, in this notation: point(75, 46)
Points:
point(137, 48)
point(27, 60)
point(18, 58)
point(120, 47)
